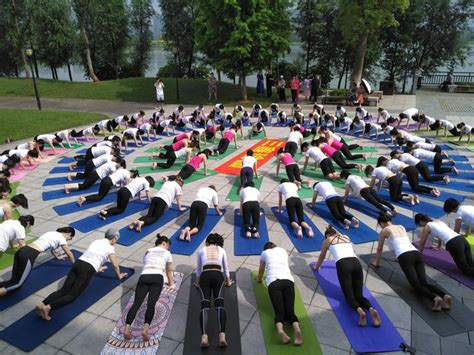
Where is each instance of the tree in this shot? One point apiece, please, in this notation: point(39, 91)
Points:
point(141, 36)
point(279, 31)
point(366, 18)
point(305, 22)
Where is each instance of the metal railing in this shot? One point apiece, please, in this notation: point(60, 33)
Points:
point(439, 77)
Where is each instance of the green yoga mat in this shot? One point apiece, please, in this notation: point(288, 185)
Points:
point(6, 260)
point(228, 152)
point(67, 146)
point(149, 160)
point(364, 150)
point(149, 170)
point(470, 240)
point(14, 187)
point(199, 175)
point(233, 194)
point(258, 136)
point(273, 343)
point(305, 192)
point(318, 175)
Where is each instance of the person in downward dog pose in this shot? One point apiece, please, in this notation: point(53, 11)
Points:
point(410, 261)
point(157, 263)
point(294, 207)
point(281, 290)
point(349, 274)
point(206, 197)
point(455, 243)
point(419, 165)
point(212, 274)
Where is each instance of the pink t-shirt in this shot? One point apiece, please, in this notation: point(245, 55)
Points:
point(181, 136)
point(328, 150)
point(302, 129)
point(229, 135)
point(195, 162)
point(294, 84)
point(287, 159)
point(336, 144)
point(212, 129)
point(178, 145)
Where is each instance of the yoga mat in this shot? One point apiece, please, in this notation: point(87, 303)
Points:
point(231, 150)
point(57, 181)
point(66, 160)
point(90, 223)
point(198, 175)
point(422, 207)
point(192, 338)
point(152, 138)
point(305, 244)
point(149, 169)
point(252, 246)
point(445, 147)
point(55, 194)
point(465, 175)
point(368, 339)
point(18, 175)
point(72, 207)
point(116, 344)
point(460, 158)
point(72, 146)
point(363, 234)
point(464, 186)
point(129, 237)
point(318, 175)
point(233, 194)
point(187, 248)
point(64, 170)
point(39, 331)
point(40, 277)
point(129, 151)
point(258, 136)
point(7, 258)
point(470, 240)
point(273, 344)
point(366, 208)
point(443, 261)
point(446, 323)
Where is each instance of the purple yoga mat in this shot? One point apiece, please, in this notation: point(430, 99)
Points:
point(366, 339)
point(443, 261)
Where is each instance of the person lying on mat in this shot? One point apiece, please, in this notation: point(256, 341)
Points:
point(128, 192)
point(51, 140)
point(398, 167)
point(248, 169)
point(349, 274)
point(32, 145)
point(13, 232)
point(357, 125)
point(192, 166)
point(206, 197)
point(335, 155)
point(119, 178)
point(212, 273)
point(157, 267)
point(26, 256)
point(190, 136)
point(381, 175)
point(384, 116)
point(320, 159)
point(291, 167)
point(81, 273)
point(164, 124)
point(410, 261)
point(455, 243)
point(334, 202)
point(211, 132)
point(148, 128)
point(372, 128)
point(281, 290)
point(426, 146)
point(132, 134)
point(169, 192)
point(396, 133)
point(224, 142)
point(419, 165)
point(464, 214)
point(358, 187)
point(250, 209)
point(294, 207)
point(7, 206)
point(173, 155)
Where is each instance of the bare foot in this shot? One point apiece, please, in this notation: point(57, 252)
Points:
point(355, 222)
point(131, 226)
point(181, 235)
point(69, 177)
point(154, 166)
point(45, 311)
point(145, 335)
point(102, 215)
point(3, 291)
point(39, 311)
point(456, 171)
point(127, 333)
point(165, 179)
point(299, 233)
point(298, 338)
point(446, 302)
point(248, 235)
point(310, 232)
point(66, 190)
point(81, 200)
point(188, 235)
point(359, 167)
point(446, 179)
point(375, 317)
point(362, 318)
point(364, 156)
point(204, 341)
point(139, 226)
point(222, 341)
point(285, 339)
point(437, 304)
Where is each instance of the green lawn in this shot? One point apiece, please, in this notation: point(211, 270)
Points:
point(19, 124)
point(192, 91)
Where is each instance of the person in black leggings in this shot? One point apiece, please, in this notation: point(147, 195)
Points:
point(336, 155)
point(422, 168)
point(172, 156)
point(250, 209)
point(192, 166)
point(150, 284)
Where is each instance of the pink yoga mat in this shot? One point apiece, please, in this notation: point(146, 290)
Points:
point(59, 151)
point(17, 176)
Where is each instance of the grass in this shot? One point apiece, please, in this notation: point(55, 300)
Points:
point(20, 124)
point(192, 91)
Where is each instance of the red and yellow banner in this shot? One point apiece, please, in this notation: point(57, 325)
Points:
point(263, 151)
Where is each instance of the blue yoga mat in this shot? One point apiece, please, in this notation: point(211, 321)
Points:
point(56, 181)
point(66, 160)
point(443, 197)
point(40, 277)
point(55, 194)
point(463, 166)
point(464, 175)
point(252, 246)
point(445, 147)
point(130, 151)
point(422, 207)
point(371, 211)
point(72, 207)
point(187, 248)
point(366, 339)
point(152, 138)
point(64, 170)
point(305, 244)
point(129, 237)
point(93, 222)
point(465, 186)
point(363, 234)
point(458, 157)
point(38, 330)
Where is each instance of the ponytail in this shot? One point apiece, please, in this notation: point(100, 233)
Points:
point(160, 239)
point(384, 218)
point(422, 218)
point(70, 230)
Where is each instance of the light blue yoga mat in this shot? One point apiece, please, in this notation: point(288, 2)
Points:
point(252, 246)
point(305, 244)
point(187, 248)
point(72, 207)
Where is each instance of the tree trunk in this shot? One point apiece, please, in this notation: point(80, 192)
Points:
point(25, 64)
point(342, 73)
point(90, 67)
point(404, 80)
point(52, 72)
point(69, 71)
point(243, 87)
point(20, 45)
point(359, 57)
point(308, 46)
point(35, 63)
point(219, 75)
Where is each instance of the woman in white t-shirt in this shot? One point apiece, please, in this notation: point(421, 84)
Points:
point(349, 274)
point(26, 256)
point(455, 243)
point(169, 192)
point(13, 231)
point(281, 289)
point(250, 209)
point(248, 169)
point(206, 197)
point(464, 214)
point(86, 133)
point(7, 206)
point(160, 93)
point(50, 139)
point(81, 273)
point(465, 130)
point(132, 134)
point(294, 207)
point(157, 263)
point(256, 129)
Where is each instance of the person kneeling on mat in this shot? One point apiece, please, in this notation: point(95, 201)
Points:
point(289, 191)
point(250, 209)
point(410, 261)
point(464, 214)
point(349, 274)
point(291, 167)
point(248, 169)
point(454, 243)
point(26, 256)
point(206, 197)
point(212, 273)
point(281, 290)
point(157, 262)
point(82, 272)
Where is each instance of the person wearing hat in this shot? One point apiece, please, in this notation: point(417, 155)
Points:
point(81, 273)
